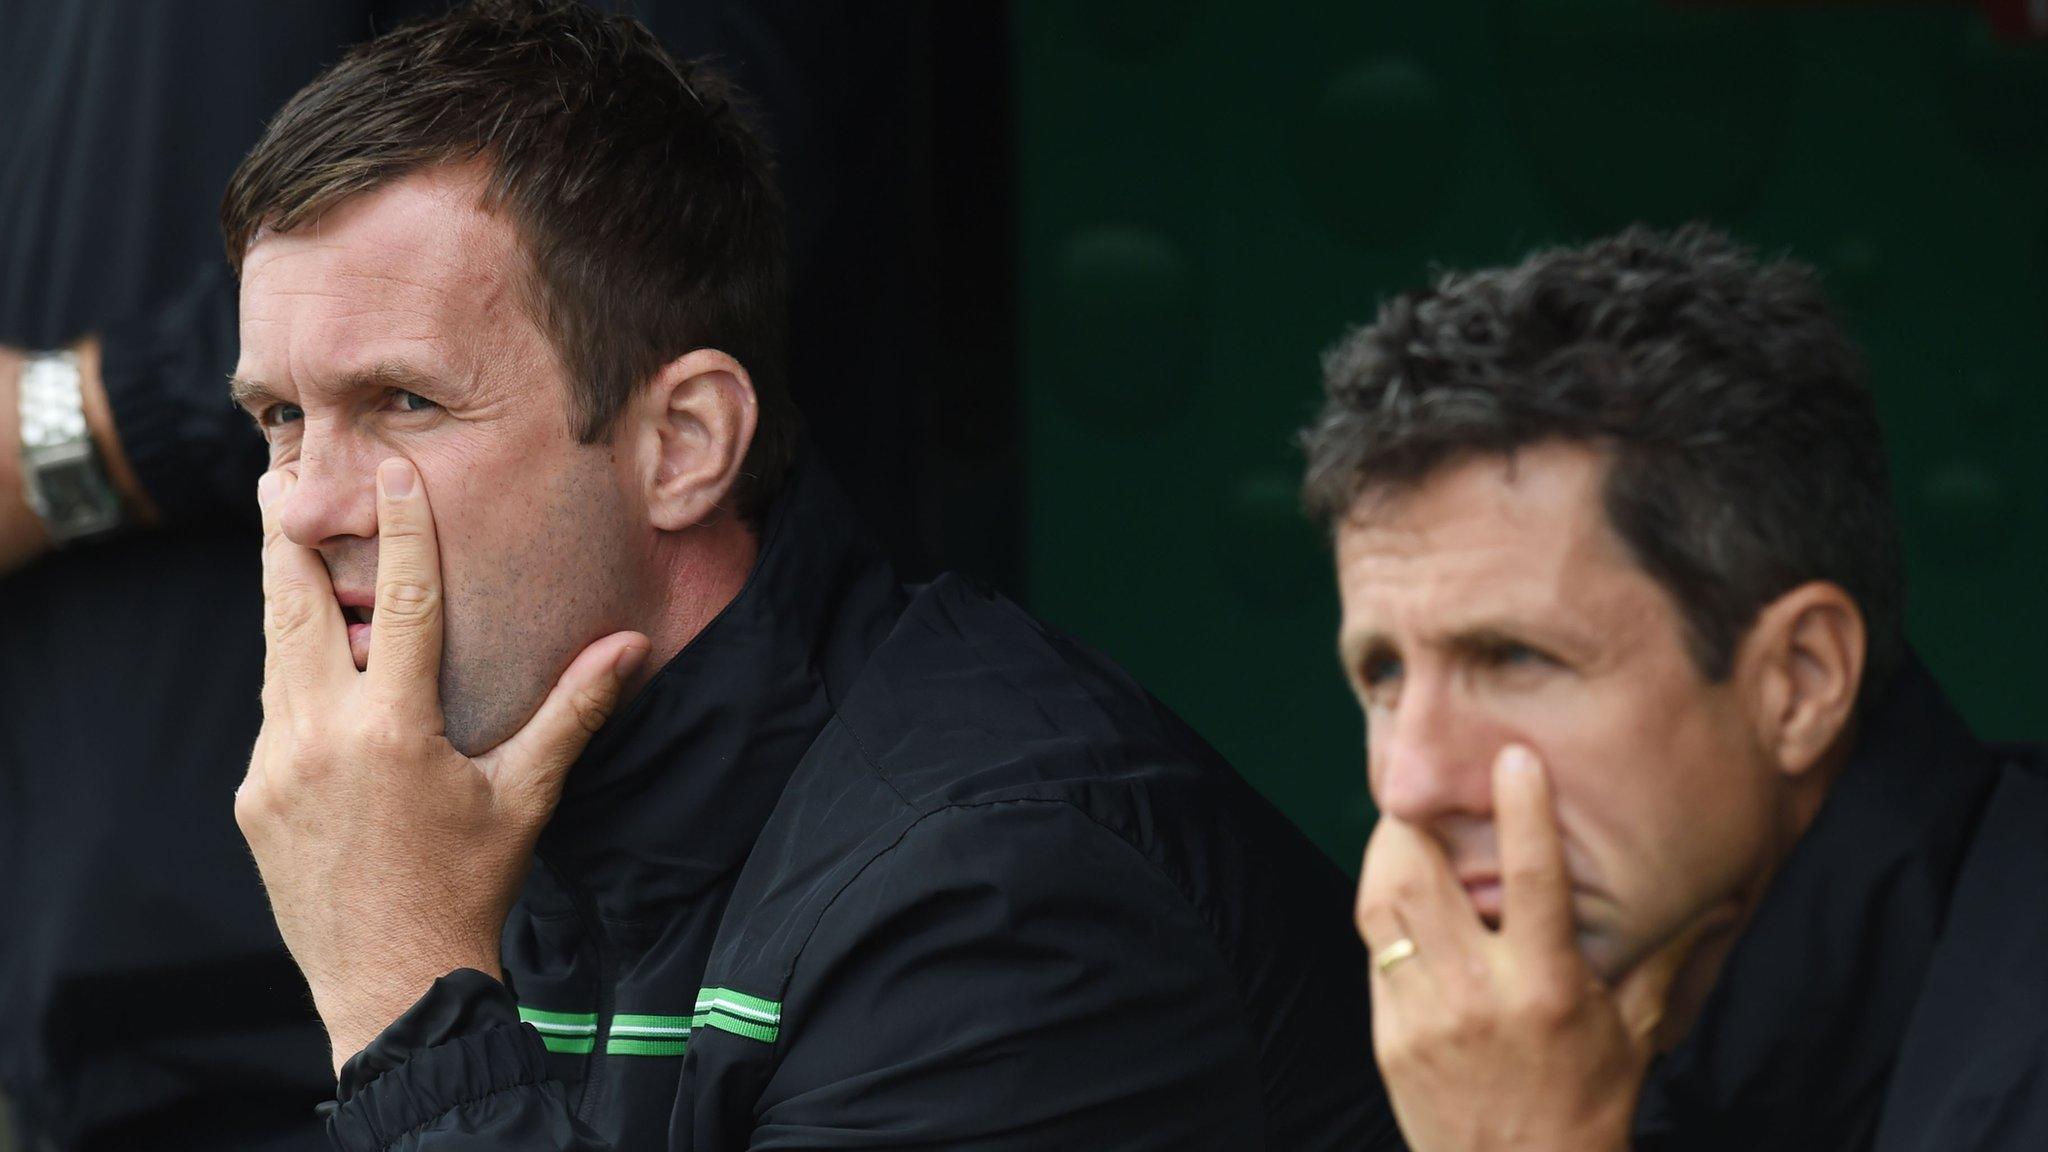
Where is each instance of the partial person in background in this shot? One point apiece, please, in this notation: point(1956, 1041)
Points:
point(1680, 846)
point(145, 999)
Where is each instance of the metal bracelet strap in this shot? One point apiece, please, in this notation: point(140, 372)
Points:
point(52, 400)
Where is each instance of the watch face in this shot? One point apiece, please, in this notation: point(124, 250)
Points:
point(70, 495)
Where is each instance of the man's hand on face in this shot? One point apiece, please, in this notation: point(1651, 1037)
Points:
point(390, 858)
point(1502, 1040)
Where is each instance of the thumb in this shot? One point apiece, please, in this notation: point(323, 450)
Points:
point(1643, 994)
point(528, 768)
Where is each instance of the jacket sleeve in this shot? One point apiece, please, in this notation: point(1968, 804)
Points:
point(459, 1072)
point(1012, 976)
point(166, 376)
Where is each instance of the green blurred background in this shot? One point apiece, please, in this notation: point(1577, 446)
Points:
point(1211, 192)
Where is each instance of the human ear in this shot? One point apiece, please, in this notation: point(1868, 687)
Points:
point(703, 415)
point(1806, 655)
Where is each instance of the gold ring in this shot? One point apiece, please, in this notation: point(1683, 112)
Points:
point(1393, 954)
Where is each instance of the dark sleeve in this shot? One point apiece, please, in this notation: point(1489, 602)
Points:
point(458, 1071)
point(166, 375)
point(1012, 976)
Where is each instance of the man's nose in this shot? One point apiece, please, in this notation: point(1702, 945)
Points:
point(335, 498)
point(1432, 757)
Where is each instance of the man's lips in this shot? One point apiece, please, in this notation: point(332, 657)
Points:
point(356, 609)
point(1483, 889)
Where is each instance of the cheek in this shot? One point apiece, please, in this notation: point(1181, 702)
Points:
point(1659, 818)
point(532, 548)
point(493, 504)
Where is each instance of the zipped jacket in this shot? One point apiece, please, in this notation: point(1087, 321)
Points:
point(875, 867)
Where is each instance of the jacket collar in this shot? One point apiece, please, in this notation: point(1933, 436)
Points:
point(667, 801)
point(1795, 1042)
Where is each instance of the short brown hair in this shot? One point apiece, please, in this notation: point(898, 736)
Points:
point(643, 198)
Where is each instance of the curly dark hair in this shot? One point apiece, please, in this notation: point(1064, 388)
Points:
point(1743, 445)
point(641, 192)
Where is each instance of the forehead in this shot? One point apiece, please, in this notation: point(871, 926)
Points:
point(414, 269)
point(1485, 540)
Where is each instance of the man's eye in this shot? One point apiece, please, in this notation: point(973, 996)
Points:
point(278, 414)
point(1517, 656)
point(1379, 681)
point(414, 402)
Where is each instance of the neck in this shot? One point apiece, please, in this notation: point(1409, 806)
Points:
point(702, 570)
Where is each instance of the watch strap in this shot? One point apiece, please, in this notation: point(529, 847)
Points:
point(63, 480)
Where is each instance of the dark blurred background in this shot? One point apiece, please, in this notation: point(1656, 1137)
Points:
point(1210, 191)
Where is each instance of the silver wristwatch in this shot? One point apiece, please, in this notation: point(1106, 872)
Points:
point(63, 480)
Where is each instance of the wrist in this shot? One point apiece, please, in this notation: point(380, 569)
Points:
point(106, 439)
point(22, 535)
point(356, 1015)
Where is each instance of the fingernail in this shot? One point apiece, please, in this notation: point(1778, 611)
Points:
point(267, 488)
point(396, 477)
point(1517, 760)
point(629, 662)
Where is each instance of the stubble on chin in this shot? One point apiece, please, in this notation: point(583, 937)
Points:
point(485, 702)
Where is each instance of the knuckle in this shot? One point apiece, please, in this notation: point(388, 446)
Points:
point(1396, 1053)
point(406, 598)
point(1544, 1004)
point(1407, 888)
point(1375, 908)
point(1465, 989)
point(1465, 1025)
point(291, 610)
point(304, 727)
point(1527, 874)
point(386, 737)
point(253, 807)
point(591, 708)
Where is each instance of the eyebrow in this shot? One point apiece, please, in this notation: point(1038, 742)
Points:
point(1469, 640)
point(250, 395)
point(254, 395)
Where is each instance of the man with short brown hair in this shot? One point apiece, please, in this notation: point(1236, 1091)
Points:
point(843, 863)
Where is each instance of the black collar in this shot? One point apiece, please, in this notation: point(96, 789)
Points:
point(667, 801)
point(1796, 1040)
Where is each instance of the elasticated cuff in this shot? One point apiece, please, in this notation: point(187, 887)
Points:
point(460, 1044)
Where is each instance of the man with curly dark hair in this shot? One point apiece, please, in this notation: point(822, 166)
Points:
point(1680, 847)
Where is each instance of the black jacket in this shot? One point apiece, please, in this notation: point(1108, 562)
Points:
point(873, 868)
point(1892, 991)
